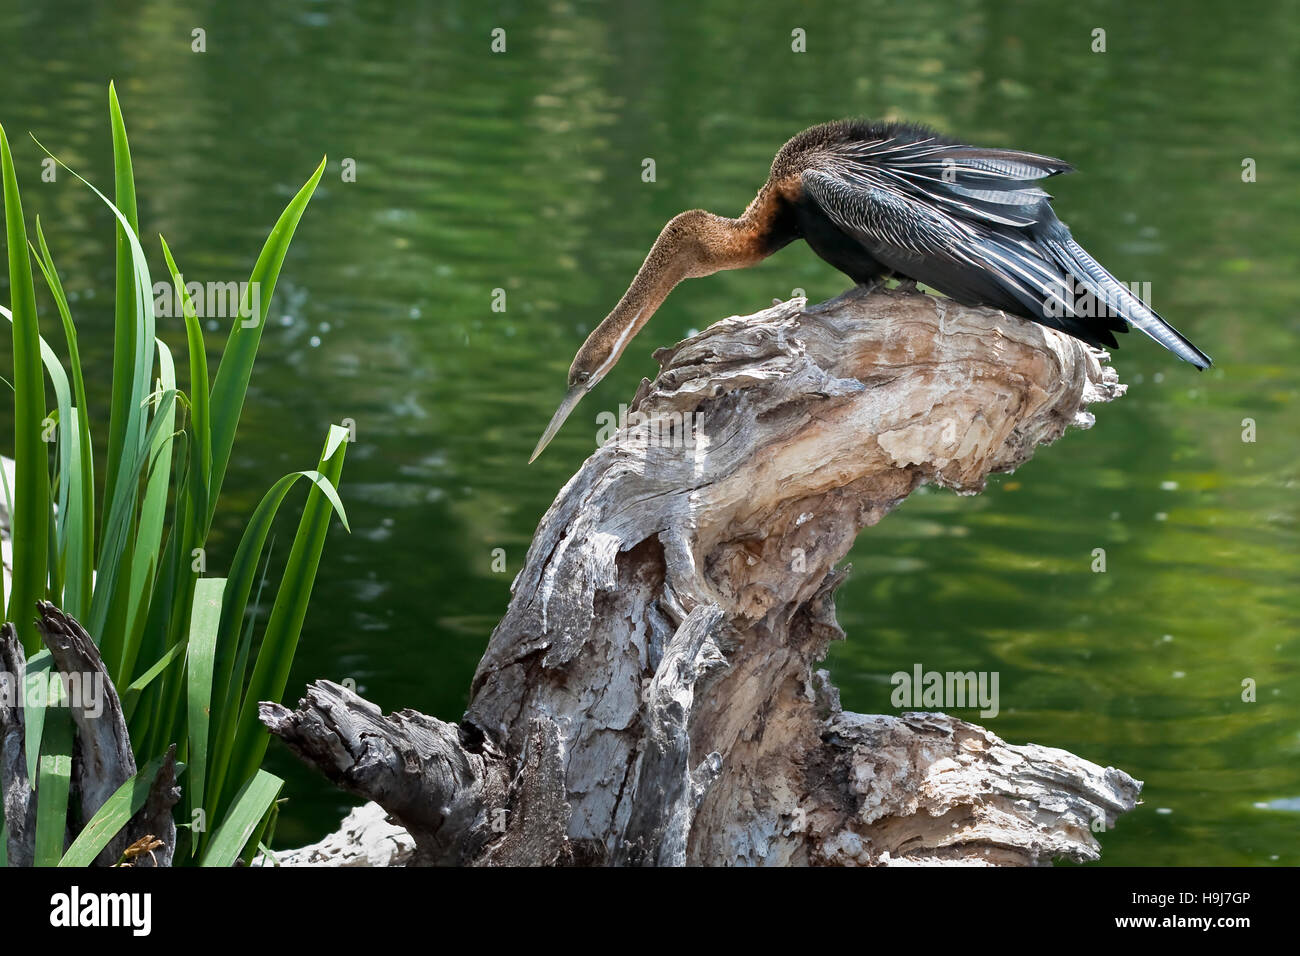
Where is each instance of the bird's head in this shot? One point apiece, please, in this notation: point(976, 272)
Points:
point(592, 363)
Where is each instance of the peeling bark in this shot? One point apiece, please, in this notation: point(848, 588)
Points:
point(650, 695)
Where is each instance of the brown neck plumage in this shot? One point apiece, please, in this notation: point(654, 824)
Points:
point(693, 244)
point(696, 243)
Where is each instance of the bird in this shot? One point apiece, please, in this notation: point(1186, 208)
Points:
point(882, 200)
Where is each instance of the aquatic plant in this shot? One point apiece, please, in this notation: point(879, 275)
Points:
point(179, 644)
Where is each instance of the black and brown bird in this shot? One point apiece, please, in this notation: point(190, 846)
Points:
point(893, 199)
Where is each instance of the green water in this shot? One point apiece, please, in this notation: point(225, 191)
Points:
point(522, 171)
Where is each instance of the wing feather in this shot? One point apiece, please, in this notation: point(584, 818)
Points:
point(974, 224)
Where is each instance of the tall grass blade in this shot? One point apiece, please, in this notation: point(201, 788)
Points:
point(131, 695)
point(36, 697)
point(31, 470)
point(228, 680)
point(55, 782)
point(246, 811)
point(128, 335)
point(146, 549)
point(119, 527)
point(283, 628)
point(80, 521)
point(199, 398)
point(204, 622)
point(236, 368)
point(64, 433)
point(265, 834)
point(233, 696)
point(9, 508)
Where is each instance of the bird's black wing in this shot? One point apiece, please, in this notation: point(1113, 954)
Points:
point(974, 224)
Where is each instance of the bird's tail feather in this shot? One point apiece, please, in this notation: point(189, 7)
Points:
point(1110, 291)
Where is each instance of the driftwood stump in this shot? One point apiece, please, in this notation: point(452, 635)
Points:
point(102, 758)
point(651, 698)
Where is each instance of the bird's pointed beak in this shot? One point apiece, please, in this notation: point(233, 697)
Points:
point(571, 399)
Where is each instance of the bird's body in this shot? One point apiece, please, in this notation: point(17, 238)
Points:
point(893, 199)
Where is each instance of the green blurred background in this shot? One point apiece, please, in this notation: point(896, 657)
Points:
point(522, 171)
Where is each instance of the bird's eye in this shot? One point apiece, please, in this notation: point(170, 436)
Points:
point(580, 377)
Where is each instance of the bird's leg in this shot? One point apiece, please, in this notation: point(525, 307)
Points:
point(906, 284)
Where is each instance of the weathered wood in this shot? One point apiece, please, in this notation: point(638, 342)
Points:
point(657, 830)
point(430, 775)
point(662, 637)
point(367, 837)
point(156, 818)
point(102, 759)
point(15, 786)
point(931, 789)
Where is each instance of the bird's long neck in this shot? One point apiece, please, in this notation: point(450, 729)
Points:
point(693, 244)
point(667, 264)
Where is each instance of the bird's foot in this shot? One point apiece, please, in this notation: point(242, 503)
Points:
point(906, 285)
